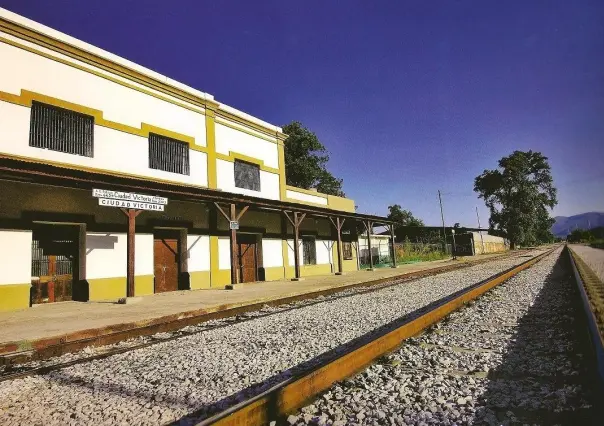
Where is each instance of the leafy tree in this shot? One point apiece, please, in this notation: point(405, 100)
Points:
point(580, 236)
point(402, 217)
point(518, 195)
point(306, 159)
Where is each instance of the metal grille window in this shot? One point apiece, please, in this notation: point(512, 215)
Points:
point(309, 251)
point(247, 175)
point(168, 154)
point(61, 130)
point(347, 250)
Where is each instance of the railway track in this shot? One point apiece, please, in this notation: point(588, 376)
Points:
point(168, 381)
point(283, 398)
point(25, 364)
point(518, 355)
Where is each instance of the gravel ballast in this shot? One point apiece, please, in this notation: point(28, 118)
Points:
point(511, 357)
point(210, 370)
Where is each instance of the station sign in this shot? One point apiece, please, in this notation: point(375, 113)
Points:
point(233, 224)
point(129, 200)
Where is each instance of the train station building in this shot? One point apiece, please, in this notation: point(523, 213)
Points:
point(116, 181)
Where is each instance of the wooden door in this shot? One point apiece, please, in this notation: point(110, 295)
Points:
point(52, 269)
point(248, 262)
point(165, 254)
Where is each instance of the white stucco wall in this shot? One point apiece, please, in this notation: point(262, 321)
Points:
point(488, 238)
point(113, 150)
point(379, 243)
point(269, 182)
point(15, 257)
point(324, 251)
point(119, 103)
point(295, 195)
point(229, 139)
point(198, 247)
point(323, 248)
point(272, 253)
point(106, 255)
point(224, 253)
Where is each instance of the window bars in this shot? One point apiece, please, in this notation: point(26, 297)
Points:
point(168, 154)
point(247, 175)
point(62, 130)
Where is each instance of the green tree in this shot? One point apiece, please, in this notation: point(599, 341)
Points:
point(306, 160)
point(519, 195)
point(402, 217)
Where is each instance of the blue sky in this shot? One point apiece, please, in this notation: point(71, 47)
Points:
point(408, 96)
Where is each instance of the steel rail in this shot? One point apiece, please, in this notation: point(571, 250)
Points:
point(92, 338)
point(291, 394)
point(584, 275)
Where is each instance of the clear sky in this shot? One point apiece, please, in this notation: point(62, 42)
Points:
point(408, 96)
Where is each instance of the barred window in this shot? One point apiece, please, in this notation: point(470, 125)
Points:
point(168, 154)
point(309, 251)
point(62, 130)
point(247, 175)
point(347, 250)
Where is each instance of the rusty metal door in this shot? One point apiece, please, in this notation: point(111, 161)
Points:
point(248, 262)
point(52, 270)
point(165, 256)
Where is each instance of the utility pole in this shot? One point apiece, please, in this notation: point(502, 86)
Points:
point(442, 216)
point(480, 230)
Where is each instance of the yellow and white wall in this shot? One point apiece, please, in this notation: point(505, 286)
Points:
point(128, 102)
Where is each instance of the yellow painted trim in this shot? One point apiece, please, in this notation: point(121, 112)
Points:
point(306, 191)
point(282, 179)
point(340, 203)
point(91, 59)
point(200, 279)
point(93, 170)
point(220, 278)
point(306, 203)
point(311, 270)
point(14, 297)
point(106, 288)
point(211, 145)
point(275, 273)
point(261, 136)
point(285, 252)
point(333, 202)
point(98, 74)
point(115, 287)
point(215, 275)
point(144, 285)
point(237, 156)
point(27, 97)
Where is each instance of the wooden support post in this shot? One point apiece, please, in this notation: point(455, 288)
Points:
point(391, 226)
point(338, 223)
point(233, 216)
point(184, 280)
point(296, 222)
point(368, 227)
point(81, 291)
point(131, 215)
point(234, 251)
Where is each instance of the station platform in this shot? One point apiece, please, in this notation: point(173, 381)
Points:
point(48, 324)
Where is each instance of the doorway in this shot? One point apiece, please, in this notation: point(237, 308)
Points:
point(166, 257)
point(54, 260)
point(247, 246)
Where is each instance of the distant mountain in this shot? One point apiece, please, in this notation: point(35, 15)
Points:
point(565, 224)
